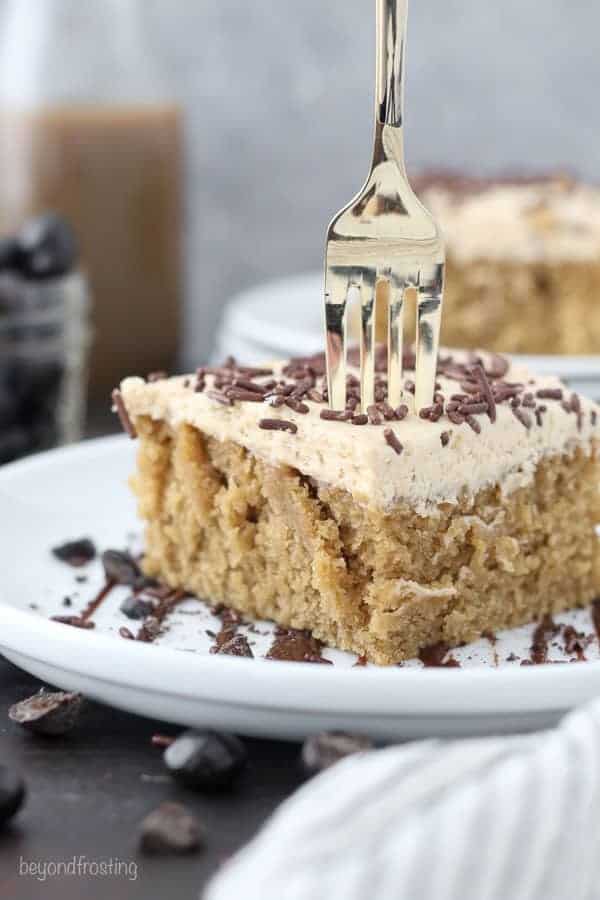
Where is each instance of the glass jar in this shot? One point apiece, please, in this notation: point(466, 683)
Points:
point(88, 128)
point(44, 340)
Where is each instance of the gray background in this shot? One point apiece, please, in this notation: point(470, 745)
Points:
point(280, 105)
point(278, 99)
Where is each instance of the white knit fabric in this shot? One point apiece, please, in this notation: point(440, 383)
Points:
point(499, 818)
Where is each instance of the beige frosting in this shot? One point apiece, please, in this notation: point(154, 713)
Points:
point(358, 458)
point(551, 221)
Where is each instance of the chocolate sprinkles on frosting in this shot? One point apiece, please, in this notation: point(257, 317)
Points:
point(278, 425)
point(392, 441)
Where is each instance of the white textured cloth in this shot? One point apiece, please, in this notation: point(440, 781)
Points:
point(504, 818)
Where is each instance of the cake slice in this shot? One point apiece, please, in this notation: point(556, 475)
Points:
point(523, 262)
point(382, 532)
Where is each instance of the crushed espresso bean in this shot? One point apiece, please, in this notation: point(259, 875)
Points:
point(392, 441)
point(76, 553)
point(120, 567)
point(170, 829)
point(278, 425)
point(51, 713)
point(126, 633)
point(205, 760)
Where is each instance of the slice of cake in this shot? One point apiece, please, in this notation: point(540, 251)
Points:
point(523, 262)
point(382, 531)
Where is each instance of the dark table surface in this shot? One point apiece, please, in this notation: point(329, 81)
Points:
point(87, 793)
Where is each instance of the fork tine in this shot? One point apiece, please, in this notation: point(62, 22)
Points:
point(429, 319)
point(336, 300)
point(366, 279)
point(395, 339)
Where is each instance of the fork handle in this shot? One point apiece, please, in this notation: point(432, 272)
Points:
point(391, 33)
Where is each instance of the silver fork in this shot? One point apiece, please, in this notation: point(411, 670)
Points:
point(385, 234)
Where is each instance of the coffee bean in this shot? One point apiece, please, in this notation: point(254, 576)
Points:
point(170, 828)
point(321, 751)
point(51, 713)
point(120, 567)
point(136, 608)
point(76, 553)
point(205, 760)
point(46, 247)
point(12, 794)
point(9, 254)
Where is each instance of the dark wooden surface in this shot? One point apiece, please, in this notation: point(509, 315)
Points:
point(88, 792)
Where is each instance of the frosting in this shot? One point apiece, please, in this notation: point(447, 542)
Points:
point(439, 460)
point(539, 221)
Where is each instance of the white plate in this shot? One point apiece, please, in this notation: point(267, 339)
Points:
point(81, 491)
point(284, 318)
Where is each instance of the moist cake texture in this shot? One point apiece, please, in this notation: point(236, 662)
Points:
point(523, 262)
point(382, 532)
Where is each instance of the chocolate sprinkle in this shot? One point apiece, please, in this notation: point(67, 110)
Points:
point(220, 397)
point(523, 417)
point(392, 441)
point(121, 410)
point(278, 425)
point(549, 394)
point(445, 438)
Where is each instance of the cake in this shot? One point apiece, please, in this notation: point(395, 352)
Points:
point(523, 263)
point(383, 532)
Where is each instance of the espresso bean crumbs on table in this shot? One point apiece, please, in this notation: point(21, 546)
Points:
point(126, 633)
point(50, 713)
point(392, 441)
point(170, 829)
point(76, 553)
point(205, 760)
point(445, 438)
point(12, 794)
point(121, 410)
point(321, 751)
point(278, 425)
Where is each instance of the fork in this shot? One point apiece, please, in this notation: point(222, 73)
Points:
point(385, 235)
